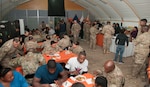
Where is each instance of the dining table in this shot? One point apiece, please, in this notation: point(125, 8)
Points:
point(61, 57)
point(88, 81)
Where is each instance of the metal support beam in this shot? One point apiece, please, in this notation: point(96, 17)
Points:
point(132, 8)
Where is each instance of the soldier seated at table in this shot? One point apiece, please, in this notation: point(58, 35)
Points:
point(55, 38)
point(31, 43)
point(101, 81)
point(76, 48)
point(48, 74)
point(113, 74)
point(29, 63)
point(52, 49)
point(77, 65)
point(64, 42)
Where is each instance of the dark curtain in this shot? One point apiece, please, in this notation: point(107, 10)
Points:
point(56, 8)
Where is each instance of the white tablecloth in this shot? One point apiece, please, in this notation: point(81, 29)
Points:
point(129, 51)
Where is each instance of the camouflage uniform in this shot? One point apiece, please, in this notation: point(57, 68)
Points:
point(64, 42)
point(7, 52)
point(31, 44)
point(75, 29)
point(46, 44)
point(142, 43)
point(68, 24)
point(56, 38)
point(51, 50)
point(29, 63)
point(108, 32)
point(86, 31)
point(38, 38)
point(77, 49)
point(93, 32)
point(115, 78)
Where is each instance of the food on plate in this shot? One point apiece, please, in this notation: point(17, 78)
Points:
point(80, 78)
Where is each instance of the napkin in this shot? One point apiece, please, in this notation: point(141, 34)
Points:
point(72, 78)
point(67, 84)
point(89, 81)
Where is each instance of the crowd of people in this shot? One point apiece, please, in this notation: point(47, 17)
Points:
point(24, 51)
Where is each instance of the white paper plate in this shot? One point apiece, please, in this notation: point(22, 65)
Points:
point(80, 78)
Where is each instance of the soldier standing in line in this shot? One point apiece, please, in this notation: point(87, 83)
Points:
point(68, 25)
point(142, 43)
point(93, 33)
point(75, 29)
point(142, 23)
point(86, 30)
point(108, 32)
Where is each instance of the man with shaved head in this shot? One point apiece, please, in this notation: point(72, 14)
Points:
point(114, 75)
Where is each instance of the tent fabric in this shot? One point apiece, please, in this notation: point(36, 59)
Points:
point(125, 10)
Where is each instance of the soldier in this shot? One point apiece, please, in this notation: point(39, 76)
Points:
point(142, 43)
point(93, 32)
point(29, 63)
point(68, 25)
point(31, 43)
point(75, 29)
point(64, 42)
point(114, 75)
point(47, 42)
point(55, 38)
point(108, 32)
point(52, 49)
point(86, 31)
point(76, 48)
point(7, 51)
point(142, 23)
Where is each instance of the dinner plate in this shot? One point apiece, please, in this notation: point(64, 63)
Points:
point(80, 78)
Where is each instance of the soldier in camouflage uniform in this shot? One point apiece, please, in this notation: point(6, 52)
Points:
point(8, 50)
point(75, 30)
point(142, 43)
point(86, 30)
point(55, 38)
point(93, 33)
point(68, 25)
point(47, 42)
point(114, 75)
point(64, 42)
point(108, 32)
point(31, 43)
point(142, 23)
point(52, 49)
point(29, 63)
point(76, 48)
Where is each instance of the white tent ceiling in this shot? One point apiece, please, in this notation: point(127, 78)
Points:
point(123, 10)
point(120, 10)
point(8, 5)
